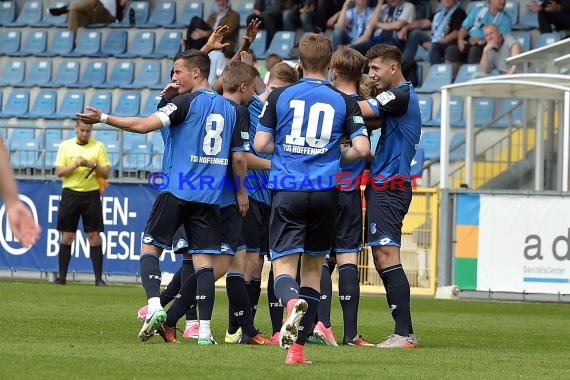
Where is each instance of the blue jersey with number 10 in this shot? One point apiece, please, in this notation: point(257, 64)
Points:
point(203, 129)
point(307, 120)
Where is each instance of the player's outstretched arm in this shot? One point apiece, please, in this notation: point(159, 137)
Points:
point(21, 220)
point(359, 150)
point(263, 142)
point(130, 124)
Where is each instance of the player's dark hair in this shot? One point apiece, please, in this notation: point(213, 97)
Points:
point(195, 59)
point(315, 52)
point(348, 63)
point(271, 60)
point(237, 73)
point(385, 52)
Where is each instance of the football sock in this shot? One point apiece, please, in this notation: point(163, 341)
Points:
point(398, 297)
point(96, 254)
point(187, 272)
point(190, 322)
point(182, 302)
point(275, 308)
point(204, 331)
point(254, 291)
point(172, 288)
point(150, 274)
point(205, 293)
point(349, 295)
point(312, 297)
point(233, 323)
point(286, 288)
point(237, 296)
point(324, 312)
point(64, 257)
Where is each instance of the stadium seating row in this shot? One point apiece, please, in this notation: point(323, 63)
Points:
point(124, 74)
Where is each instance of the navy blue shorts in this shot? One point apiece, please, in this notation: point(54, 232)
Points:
point(256, 227)
point(302, 222)
point(348, 233)
point(232, 225)
point(385, 212)
point(201, 223)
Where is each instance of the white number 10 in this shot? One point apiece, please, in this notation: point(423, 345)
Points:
point(327, 111)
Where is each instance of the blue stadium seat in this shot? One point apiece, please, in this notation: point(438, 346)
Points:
point(168, 46)
point(148, 76)
point(35, 44)
point(141, 9)
point(53, 134)
point(426, 108)
point(30, 15)
point(417, 166)
point(61, 44)
point(258, 46)
point(3, 131)
point(138, 157)
point(430, 142)
point(162, 15)
point(457, 141)
point(67, 74)
point(94, 75)
point(129, 104)
point(455, 114)
point(10, 42)
point(102, 101)
point(17, 105)
point(281, 44)
point(189, 10)
point(546, 39)
point(421, 54)
point(439, 75)
point(57, 21)
point(52, 146)
point(107, 136)
point(39, 75)
point(113, 152)
point(150, 105)
point(512, 9)
point(7, 12)
point(89, 45)
point(14, 73)
point(130, 139)
point(484, 111)
point(23, 133)
point(527, 20)
point(468, 72)
point(524, 38)
point(121, 75)
point(142, 45)
point(157, 143)
point(517, 115)
point(44, 105)
point(156, 163)
point(1, 103)
point(72, 102)
point(244, 8)
point(25, 153)
point(115, 43)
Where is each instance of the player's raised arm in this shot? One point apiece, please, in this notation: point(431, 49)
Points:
point(130, 124)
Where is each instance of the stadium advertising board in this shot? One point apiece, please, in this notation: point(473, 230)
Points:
point(513, 243)
point(125, 210)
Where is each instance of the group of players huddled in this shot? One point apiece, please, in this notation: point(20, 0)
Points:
point(306, 130)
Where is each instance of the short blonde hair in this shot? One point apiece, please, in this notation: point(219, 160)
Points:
point(348, 63)
point(315, 52)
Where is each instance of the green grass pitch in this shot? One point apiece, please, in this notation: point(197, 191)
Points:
point(79, 331)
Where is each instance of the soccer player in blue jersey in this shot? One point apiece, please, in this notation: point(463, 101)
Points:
point(256, 227)
point(302, 126)
point(203, 132)
point(389, 193)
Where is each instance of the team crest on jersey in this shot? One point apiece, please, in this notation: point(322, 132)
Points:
point(358, 119)
point(168, 109)
point(245, 135)
point(385, 97)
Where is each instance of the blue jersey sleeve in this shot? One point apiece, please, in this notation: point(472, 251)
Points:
point(390, 103)
point(176, 111)
point(240, 136)
point(354, 122)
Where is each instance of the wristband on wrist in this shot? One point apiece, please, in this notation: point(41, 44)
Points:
point(103, 118)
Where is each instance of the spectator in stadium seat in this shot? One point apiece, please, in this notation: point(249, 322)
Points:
point(20, 218)
point(199, 30)
point(327, 13)
point(352, 21)
point(87, 12)
point(271, 14)
point(471, 37)
point(443, 29)
point(387, 20)
point(81, 162)
point(300, 13)
point(496, 51)
point(550, 13)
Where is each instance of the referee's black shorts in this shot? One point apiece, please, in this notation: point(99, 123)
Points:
point(76, 204)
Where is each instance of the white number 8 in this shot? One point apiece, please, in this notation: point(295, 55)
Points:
point(213, 140)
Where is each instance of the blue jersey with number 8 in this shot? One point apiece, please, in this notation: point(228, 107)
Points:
point(307, 120)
